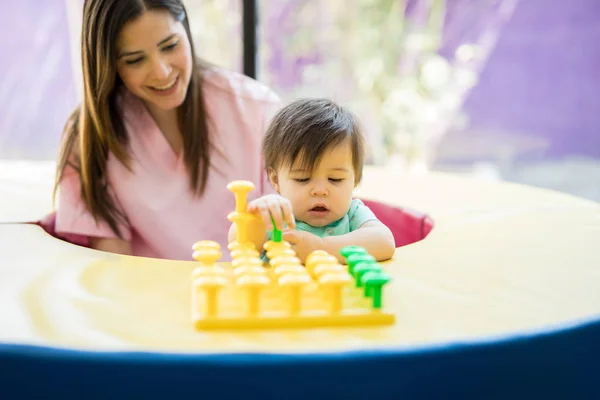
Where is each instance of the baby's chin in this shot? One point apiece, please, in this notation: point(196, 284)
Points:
point(317, 222)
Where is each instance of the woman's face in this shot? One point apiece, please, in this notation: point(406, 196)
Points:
point(154, 59)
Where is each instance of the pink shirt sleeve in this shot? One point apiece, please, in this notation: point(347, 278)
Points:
point(72, 215)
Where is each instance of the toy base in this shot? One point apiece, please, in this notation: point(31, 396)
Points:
point(346, 318)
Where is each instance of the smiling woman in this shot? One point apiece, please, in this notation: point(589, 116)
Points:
point(141, 171)
point(155, 68)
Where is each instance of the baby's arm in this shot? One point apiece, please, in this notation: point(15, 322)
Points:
point(373, 235)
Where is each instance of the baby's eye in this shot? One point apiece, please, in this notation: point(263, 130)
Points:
point(303, 180)
point(335, 180)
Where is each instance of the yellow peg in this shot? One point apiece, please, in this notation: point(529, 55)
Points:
point(206, 256)
point(250, 262)
point(241, 189)
point(279, 252)
point(334, 284)
point(210, 286)
point(294, 284)
point(271, 245)
point(206, 244)
point(209, 271)
point(241, 221)
point(322, 269)
point(316, 253)
point(254, 284)
point(235, 245)
point(287, 269)
point(249, 270)
point(279, 260)
point(319, 259)
point(244, 253)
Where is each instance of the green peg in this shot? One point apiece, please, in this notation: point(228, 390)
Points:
point(354, 259)
point(362, 268)
point(277, 234)
point(374, 282)
point(349, 250)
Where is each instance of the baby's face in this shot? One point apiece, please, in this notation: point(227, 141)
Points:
point(323, 196)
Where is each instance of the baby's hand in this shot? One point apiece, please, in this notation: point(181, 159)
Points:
point(303, 243)
point(275, 206)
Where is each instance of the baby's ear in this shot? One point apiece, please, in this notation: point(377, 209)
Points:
point(273, 178)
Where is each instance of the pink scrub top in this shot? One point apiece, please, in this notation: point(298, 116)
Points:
point(164, 219)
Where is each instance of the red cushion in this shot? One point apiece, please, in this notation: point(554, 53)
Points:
point(407, 226)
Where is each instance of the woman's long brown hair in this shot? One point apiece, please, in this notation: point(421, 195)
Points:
point(96, 127)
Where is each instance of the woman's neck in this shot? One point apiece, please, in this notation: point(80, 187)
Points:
point(168, 124)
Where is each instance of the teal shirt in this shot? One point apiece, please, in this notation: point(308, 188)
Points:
point(357, 215)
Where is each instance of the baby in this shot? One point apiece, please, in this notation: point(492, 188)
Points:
point(314, 153)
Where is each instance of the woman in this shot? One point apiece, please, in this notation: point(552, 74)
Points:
point(147, 156)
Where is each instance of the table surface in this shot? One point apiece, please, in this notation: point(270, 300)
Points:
point(25, 190)
point(503, 260)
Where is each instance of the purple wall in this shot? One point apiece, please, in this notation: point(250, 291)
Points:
point(544, 76)
point(542, 79)
point(37, 91)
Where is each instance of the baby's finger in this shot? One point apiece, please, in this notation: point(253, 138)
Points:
point(263, 210)
point(254, 205)
point(290, 236)
point(276, 212)
point(288, 214)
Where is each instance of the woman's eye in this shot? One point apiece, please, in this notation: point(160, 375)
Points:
point(135, 61)
point(170, 47)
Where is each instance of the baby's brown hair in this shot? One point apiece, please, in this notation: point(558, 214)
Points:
point(307, 128)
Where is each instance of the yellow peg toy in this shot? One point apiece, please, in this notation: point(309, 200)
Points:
point(318, 259)
point(244, 252)
point(334, 284)
point(294, 285)
point(247, 261)
point(209, 271)
point(279, 260)
point(322, 269)
point(240, 190)
point(235, 245)
point(280, 252)
point(206, 244)
point(289, 269)
point(210, 287)
point(249, 270)
point(207, 257)
point(271, 245)
point(316, 253)
point(253, 284)
point(283, 293)
point(242, 220)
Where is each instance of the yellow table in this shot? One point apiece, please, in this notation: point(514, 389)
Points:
point(503, 259)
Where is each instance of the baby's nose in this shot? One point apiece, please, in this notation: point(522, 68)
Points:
point(319, 191)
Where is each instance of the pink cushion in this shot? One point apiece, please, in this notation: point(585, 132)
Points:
point(48, 223)
point(407, 226)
